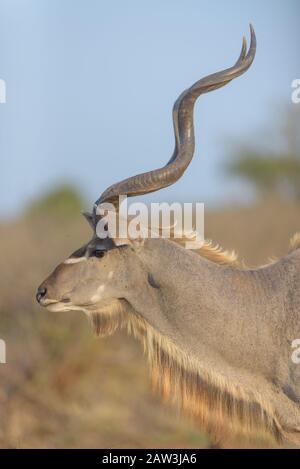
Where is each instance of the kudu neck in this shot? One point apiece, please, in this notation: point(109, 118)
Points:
point(209, 308)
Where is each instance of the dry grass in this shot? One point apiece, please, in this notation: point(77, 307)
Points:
point(62, 387)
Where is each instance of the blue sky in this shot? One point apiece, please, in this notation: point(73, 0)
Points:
point(91, 84)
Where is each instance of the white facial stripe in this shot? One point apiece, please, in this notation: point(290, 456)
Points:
point(75, 260)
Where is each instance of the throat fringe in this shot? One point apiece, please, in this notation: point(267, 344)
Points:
point(217, 406)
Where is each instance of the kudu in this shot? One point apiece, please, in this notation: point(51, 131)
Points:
point(218, 336)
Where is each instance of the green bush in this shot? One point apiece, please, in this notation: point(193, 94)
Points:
point(63, 201)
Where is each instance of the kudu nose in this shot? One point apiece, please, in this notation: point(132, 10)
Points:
point(40, 294)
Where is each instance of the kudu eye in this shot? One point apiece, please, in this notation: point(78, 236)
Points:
point(99, 253)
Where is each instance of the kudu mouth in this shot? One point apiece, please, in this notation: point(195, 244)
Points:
point(43, 300)
point(47, 301)
point(61, 304)
point(57, 306)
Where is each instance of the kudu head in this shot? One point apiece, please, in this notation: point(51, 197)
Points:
point(100, 275)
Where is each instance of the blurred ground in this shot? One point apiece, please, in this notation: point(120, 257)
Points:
point(61, 387)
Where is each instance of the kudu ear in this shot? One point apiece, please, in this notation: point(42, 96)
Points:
point(90, 219)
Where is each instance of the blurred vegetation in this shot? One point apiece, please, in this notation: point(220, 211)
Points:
point(276, 171)
point(63, 201)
